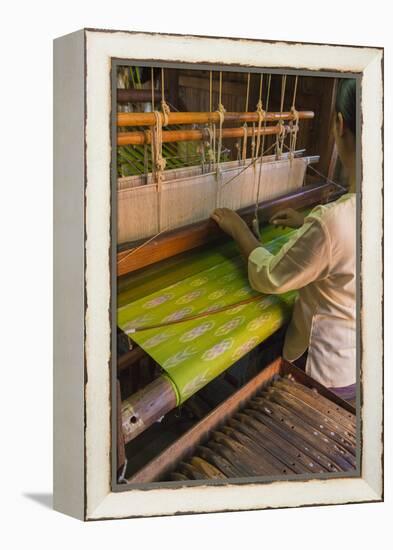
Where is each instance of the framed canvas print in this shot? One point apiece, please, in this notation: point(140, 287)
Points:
point(218, 274)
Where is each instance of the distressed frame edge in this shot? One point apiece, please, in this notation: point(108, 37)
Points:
point(69, 276)
point(376, 487)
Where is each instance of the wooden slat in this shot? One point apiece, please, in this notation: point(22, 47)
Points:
point(176, 118)
point(166, 460)
point(223, 458)
point(137, 96)
point(173, 136)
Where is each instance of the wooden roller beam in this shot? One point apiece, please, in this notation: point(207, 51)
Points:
point(141, 138)
point(146, 406)
point(197, 234)
point(148, 119)
point(137, 96)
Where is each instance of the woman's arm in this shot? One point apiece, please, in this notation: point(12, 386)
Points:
point(302, 260)
point(236, 227)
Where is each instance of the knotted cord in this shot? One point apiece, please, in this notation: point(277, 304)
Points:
point(261, 115)
point(255, 222)
point(164, 105)
point(245, 128)
point(253, 142)
point(294, 123)
point(159, 162)
point(281, 135)
point(221, 114)
point(210, 145)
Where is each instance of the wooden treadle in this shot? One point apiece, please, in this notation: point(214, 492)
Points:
point(280, 423)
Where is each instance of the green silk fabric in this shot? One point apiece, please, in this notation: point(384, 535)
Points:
point(194, 352)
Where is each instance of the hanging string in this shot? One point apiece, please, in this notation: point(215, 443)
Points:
point(164, 106)
point(237, 147)
point(159, 161)
point(142, 245)
point(252, 163)
point(261, 115)
point(221, 114)
point(210, 146)
point(255, 222)
point(294, 123)
point(245, 135)
point(281, 135)
point(326, 178)
point(245, 128)
point(253, 142)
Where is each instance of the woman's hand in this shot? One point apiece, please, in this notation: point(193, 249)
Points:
point(229, 221)
point(288, 218)
point(232, 223)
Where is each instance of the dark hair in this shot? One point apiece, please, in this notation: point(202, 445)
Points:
point(346, 102)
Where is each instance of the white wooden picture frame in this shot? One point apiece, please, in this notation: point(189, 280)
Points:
point(83, 258)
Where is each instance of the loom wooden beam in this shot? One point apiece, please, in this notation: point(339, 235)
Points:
point(200, 233)
point(146, 406)
point(175, 118)
point(141, 138)
point(136, 96)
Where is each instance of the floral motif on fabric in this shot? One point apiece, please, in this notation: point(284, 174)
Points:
point(229, 326)
point(157, 301)
point(244, 348)
point(156, 340)
point(217, 294)
point(179, 314)
point(197, 331)
point(218, 349)
point(258, 323)
point(179, 357)
point(199, 282)
point(189, 297)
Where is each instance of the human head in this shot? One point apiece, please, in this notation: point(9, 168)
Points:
point(344, 125)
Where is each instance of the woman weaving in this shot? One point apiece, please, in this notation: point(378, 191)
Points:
point(319, 262)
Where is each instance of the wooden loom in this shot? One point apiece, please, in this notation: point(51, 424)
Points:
point(164, 215)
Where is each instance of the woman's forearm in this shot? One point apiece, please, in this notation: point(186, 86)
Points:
point(246, 240)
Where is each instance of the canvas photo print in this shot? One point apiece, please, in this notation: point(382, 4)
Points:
point(235, 231)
